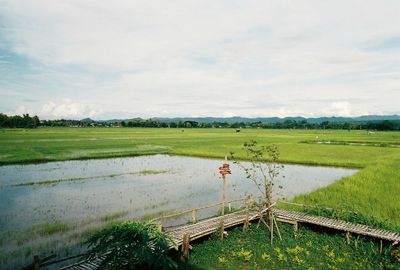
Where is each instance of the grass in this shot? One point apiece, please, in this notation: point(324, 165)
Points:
point(306, 250)
point(113, 216)
point(53, 182)
point(372, 193)
point(152, 172)
point(52, 144)
point(52, 228)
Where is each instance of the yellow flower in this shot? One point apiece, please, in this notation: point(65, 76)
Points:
point(282, 257)
point(330, 255)
point(222, 260)
point(340, 260)
point(297, 260)
point(265, 257)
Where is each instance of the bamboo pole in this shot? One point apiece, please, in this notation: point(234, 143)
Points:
point(194, 216)
point(222, 229)
point(223, 191)
point(348, 237)
point(223, 202)
point(185, 246)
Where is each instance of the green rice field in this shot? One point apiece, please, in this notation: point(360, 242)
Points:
point(371, 194)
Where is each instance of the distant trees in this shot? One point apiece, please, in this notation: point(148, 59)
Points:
point(26, 121)
point(17, 121)
point(385, 125)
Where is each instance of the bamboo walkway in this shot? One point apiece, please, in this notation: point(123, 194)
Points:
point(209, 226)
point(339, 225)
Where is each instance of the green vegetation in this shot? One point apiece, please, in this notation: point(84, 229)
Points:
point(97, 177)
point(113, 216)
point(52, 228)
point(132, 245)
point(306, 250)
point(366, 192)
point(382, 123)
point(372, 193)
point(152, 172)
point(17, 121)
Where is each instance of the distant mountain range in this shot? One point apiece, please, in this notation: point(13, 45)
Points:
point(238, 119)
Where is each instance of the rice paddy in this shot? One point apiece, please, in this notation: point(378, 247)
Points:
point(371, 192)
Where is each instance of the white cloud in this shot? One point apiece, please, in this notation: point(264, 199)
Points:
point(67, 109)
point(20, 110)
point(178, 58)
point(342, 108)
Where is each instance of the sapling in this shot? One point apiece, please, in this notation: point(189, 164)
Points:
point(262, 170)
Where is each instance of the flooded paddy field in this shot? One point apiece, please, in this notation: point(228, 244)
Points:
point(52, 207)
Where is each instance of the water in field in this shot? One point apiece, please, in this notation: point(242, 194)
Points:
point(52, 207)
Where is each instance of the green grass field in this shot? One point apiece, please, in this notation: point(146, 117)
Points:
point(373, 192)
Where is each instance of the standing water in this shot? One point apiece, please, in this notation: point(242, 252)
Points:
point(52, 207)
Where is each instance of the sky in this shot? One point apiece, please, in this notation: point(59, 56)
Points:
point(123, 59)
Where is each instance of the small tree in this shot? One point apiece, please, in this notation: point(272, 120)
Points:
point(262, 171)
point(131, 245)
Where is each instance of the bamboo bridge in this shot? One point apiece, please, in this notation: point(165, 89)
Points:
point(197, 230)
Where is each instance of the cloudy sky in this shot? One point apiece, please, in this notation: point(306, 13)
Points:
point(106, 59)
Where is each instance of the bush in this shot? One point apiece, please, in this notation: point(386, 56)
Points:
point(131, 245)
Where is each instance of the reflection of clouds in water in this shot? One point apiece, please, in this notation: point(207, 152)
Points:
point(192, 182)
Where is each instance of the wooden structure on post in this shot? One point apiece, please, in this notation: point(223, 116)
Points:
point(224, 170)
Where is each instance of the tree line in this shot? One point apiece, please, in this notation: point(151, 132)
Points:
point(26, 121)
point(17, 121)
point(385, 125)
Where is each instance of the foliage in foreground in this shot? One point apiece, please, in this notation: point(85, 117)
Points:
point(132, 245)
point(306, 250)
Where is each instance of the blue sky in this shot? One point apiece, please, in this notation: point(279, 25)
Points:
point(102, 59)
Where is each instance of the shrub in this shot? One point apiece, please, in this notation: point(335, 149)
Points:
point(131, 245)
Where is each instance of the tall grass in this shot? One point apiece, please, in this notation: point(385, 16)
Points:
point(373, 192)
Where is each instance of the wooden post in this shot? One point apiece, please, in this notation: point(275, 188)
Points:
point(194, 216)
point(222, 229)
point(223, 202)
point(159, 226)
point(381, 248)
point(185, 246)
point(223, 195)
point(296, 226)
point(348, 237)
point(36, 262)
point(271, 224)
point(246, 222)
point(230, 207)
